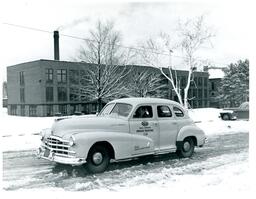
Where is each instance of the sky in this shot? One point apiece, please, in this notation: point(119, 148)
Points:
point(137, 21)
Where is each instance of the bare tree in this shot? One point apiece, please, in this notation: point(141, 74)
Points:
point(145, 83)
point(104, 80)
point(192, 35)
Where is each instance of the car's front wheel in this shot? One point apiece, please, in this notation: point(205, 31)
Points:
point(187, 148)
point(98, 159)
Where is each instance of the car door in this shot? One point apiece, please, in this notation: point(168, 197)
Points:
point(168, 127)
point(144, 127)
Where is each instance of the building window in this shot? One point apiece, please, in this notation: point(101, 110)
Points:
point(74, 76)
point(205, 93)
point(200, 103)
point(22, 110)
point(74, 94)
point(32, 110)
point(62, 76)
point(195, 93)
point(49, 94)
point(62, 94)
point(63, 109)
point(49, 75)
point(213, 86)
point(13, 109)
point(205, 82)
point(49, 110)
point(200, 93)
point(196, 81)
point(22, 95)
point(22, 82)
point(200, 81)
point(83, 77)
point(183, 81)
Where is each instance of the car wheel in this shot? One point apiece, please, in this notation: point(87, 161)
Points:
point(187, 148)
point(98, 159)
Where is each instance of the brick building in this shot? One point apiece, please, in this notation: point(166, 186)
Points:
point(44, 88)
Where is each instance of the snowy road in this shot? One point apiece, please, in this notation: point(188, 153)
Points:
point(22, 170)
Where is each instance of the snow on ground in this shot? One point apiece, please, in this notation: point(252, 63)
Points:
point(230, 175)
point(22, 133)
point(208, 120)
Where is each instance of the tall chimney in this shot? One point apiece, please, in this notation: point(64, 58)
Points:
point(56, 45)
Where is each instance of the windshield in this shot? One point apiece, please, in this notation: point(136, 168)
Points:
point(118, 109)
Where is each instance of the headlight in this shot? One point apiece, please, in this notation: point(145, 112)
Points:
point(71, 140)
point(42, 134)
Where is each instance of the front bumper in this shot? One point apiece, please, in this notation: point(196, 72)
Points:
point(48, 154)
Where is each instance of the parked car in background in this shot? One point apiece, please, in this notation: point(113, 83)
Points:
point(242, 112)
point(125, 128)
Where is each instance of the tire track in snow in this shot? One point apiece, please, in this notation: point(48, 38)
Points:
point(22, 170)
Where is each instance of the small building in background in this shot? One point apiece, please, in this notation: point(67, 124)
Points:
point(46, 88)
point(216, 74)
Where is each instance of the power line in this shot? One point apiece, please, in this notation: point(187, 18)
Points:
point(87, 39)
point(26, 27)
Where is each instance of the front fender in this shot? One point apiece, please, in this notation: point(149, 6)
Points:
point(121, 143)
point(192, 131)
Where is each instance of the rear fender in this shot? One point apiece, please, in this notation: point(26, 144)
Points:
point(191, 131)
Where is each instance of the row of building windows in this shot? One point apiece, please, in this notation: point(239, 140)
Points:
point(62, 109)
point(32, 110)
point(62, 76)
point(62, 94)
point(74, 94)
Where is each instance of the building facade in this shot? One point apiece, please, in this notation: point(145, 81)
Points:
point(48, 88)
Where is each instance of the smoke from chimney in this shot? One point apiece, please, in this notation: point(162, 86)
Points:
point(56, 45)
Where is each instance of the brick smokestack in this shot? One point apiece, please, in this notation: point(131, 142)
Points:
point(56, 45)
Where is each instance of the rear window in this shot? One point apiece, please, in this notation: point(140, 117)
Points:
point(178, 112)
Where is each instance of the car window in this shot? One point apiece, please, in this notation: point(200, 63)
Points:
point(122, 109)
point(164, 111)
point(143, 112)
point(178, 112)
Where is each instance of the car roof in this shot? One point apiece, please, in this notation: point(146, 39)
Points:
point(144, 100)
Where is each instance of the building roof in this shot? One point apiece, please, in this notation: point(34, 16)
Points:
point(216, 73)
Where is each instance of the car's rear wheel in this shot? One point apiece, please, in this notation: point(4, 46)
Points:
point(187, 148)
point(98, 159)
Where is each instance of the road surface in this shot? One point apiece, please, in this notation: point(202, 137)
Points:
point(22, 170)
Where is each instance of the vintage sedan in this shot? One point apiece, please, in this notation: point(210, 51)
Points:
point(125, 128)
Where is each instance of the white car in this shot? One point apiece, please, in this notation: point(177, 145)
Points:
point(125, 128)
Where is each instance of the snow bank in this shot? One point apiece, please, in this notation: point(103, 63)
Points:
point(208, 120)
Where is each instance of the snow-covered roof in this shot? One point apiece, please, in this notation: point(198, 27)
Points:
point(215, 73)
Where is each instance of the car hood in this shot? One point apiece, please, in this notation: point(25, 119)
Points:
point(89, 124)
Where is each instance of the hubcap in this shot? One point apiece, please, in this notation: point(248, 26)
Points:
point(186, 146)
point(97, 158)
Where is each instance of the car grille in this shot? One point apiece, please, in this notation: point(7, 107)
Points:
point(58, 146)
